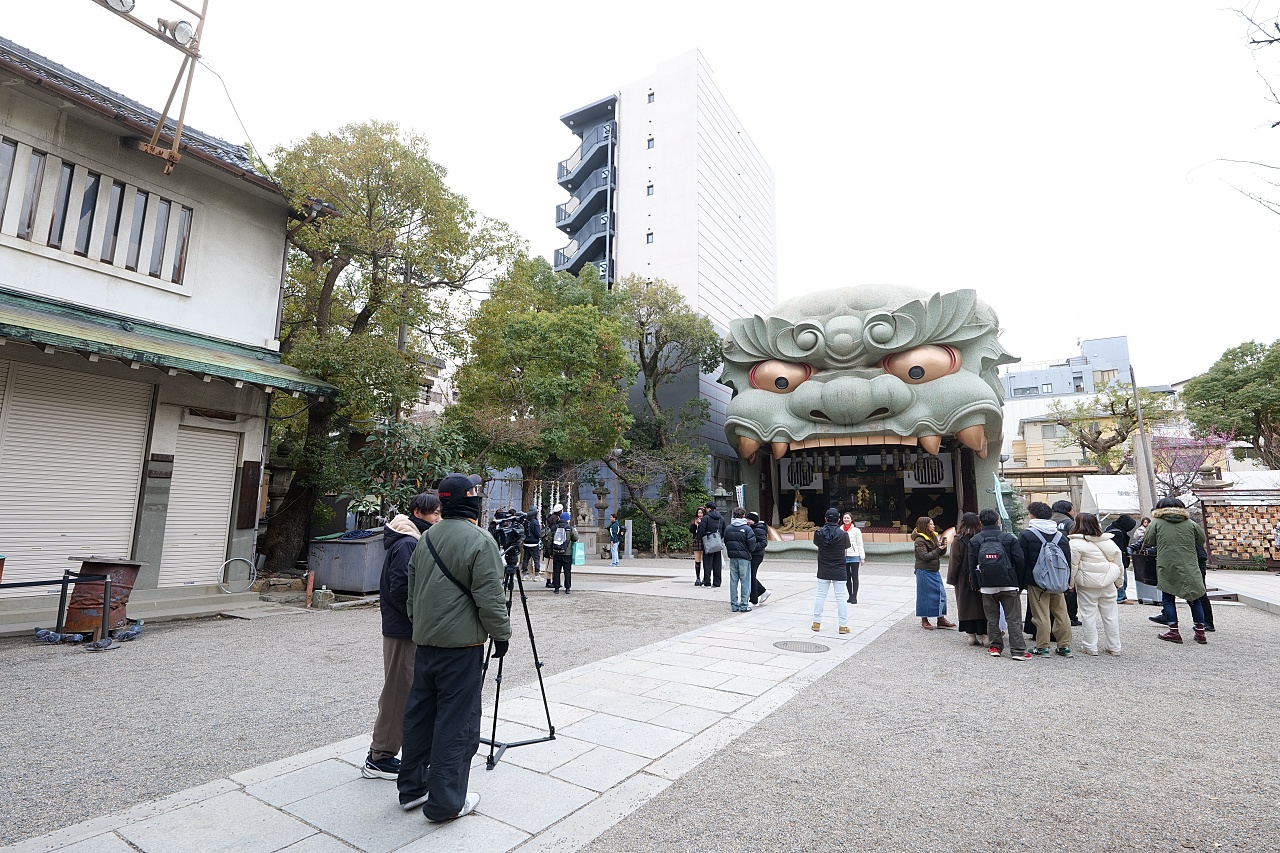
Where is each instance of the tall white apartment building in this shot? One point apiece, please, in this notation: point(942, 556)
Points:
point(666, 183)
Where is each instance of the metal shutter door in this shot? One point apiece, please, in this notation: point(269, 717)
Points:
point(199, 519)
point(71, 458)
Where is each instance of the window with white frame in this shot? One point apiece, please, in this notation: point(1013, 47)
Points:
point(76, 205)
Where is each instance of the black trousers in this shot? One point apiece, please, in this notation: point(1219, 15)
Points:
point(711, 568)
point(562, 562)
point(851, 579)
point(530, 555)
point(757, 588)
point(441, 728)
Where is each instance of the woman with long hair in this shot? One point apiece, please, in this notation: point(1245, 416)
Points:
point(697, 546)
point(853, 557)
point(1097, 571)
point(973, 619)
point(931, 595)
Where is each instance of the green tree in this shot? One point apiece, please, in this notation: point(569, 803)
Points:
point(394, 250)
point(546, 373)
point(669, 340)
point(1240, 396)
point(1101, 425)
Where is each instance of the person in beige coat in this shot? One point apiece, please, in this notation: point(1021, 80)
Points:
point(1097, 568)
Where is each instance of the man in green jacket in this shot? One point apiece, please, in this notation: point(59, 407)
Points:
point(455, 604)
point(1174, 536)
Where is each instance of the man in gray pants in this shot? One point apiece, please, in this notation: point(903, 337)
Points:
point(997, 557)
point(455, 605)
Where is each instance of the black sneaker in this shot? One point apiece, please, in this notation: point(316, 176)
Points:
point(413, 802)
point(1159, 620)
point(387, 768)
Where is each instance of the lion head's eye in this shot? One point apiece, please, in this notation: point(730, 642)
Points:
point(922, 364)
point(780, 377)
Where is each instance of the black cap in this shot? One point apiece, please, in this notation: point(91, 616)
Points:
point(833, 514)
point(456, 486)
point(753, 516)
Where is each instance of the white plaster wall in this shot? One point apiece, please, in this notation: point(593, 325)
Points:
point(230, 289)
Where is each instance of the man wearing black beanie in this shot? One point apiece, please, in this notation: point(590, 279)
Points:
point(455, 604)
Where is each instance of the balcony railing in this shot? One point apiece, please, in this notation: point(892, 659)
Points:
point(591, 141)
point(595, 227)
point(598, 180)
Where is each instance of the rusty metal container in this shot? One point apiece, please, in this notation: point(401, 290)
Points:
point(84, 611)
point(1, 568)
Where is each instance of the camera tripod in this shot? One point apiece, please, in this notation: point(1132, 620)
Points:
point(511, 580)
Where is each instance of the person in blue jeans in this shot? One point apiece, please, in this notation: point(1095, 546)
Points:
point(832, 542)
point(615, 536)
point(740, 542)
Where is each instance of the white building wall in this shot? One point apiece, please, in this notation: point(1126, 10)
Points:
point(712, 209)
point(231, 286)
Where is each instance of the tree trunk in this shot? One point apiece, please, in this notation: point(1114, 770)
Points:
point(529, 488)
point(289, 529)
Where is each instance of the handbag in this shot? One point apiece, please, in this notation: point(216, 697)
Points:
point(579, 554)
point(712, 543)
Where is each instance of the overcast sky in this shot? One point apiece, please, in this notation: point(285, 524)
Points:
point(1063, 160)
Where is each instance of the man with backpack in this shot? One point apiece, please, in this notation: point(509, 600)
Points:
point(997, 568)
point(1047, 558)
point(1064, 517)
point(563, 535)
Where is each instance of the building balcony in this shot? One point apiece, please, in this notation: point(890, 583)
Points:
point(587, 199)
point(592, 153)
point(585, 245)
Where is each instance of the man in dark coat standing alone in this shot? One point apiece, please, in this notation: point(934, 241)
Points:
point(712, 522)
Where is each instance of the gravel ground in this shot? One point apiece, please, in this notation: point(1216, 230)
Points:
point(922, 742)
point(87, 734)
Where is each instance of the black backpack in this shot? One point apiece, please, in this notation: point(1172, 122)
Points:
point(994, 566)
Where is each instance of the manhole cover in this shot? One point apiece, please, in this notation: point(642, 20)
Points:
point(801, 646)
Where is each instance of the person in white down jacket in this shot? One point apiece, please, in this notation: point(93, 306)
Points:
point(1097, 568)
point(853, 556)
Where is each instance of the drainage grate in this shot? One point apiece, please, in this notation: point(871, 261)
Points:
point(800, 646)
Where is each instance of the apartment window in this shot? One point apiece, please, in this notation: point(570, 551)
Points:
point(1046, 388)
point(88, 205)
point(35, 176)
point(115, 207)
point(650, 141)
point(648, 237)
point(135, 231)
point(648, 190)
point(157, 241)
point(651, 97)
point(58, 226)
point(1059, 463)
point(184, 241)
point(1026, 392)
point(8, 153)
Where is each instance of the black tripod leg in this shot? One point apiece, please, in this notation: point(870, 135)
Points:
point(537, 661)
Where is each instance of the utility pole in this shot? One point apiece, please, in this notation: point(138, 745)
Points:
point(1143, 467)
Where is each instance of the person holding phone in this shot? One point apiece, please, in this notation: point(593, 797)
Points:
point(931, 594)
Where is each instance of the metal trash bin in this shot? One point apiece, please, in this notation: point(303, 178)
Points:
point(347, 565)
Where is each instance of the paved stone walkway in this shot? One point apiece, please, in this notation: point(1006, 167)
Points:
point(626, 728)
point(1257, 589)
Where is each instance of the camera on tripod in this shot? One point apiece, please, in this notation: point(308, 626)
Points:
point(507, 529)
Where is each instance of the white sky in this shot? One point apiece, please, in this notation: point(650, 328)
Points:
point(1060, 159)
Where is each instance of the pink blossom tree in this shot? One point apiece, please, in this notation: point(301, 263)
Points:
point(1178, 458)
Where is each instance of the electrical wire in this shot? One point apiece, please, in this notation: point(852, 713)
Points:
point(253, 146)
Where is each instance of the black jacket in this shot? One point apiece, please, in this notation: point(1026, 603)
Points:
point(1017, 574)
point(740, 540)
point(532, 530)
point(711, 522)
point(761, 530)
point(1031, 551)
point(393, 586)
point(1119, 531)
point(832, 542)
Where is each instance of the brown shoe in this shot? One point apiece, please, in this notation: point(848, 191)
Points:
point(845, 630)
point(943, 623)
point(924, 623)
point(817, 626)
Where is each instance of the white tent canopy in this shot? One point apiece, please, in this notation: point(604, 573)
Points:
point(1117, 494)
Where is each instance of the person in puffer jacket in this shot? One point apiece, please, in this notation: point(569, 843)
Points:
point(832, 544)
point(399, 538)
point(1097, 571)
point(1175, 537)
point(740, 543)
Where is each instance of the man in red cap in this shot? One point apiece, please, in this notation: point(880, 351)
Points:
point(455, 604)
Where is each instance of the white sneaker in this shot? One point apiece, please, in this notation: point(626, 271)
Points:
point(470, 803)
point(764, 596)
